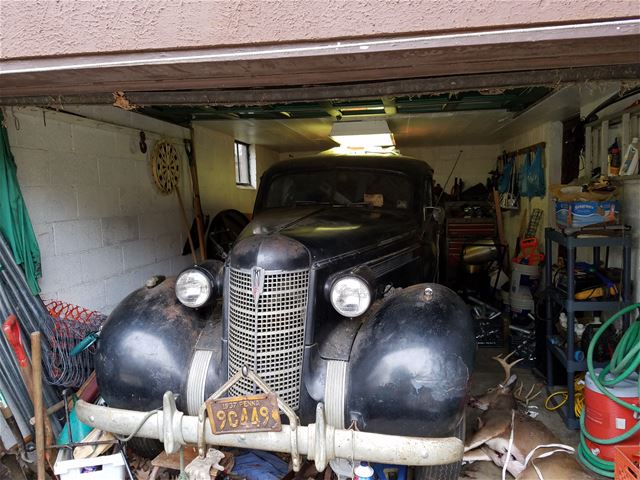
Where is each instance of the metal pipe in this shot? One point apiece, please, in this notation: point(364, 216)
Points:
point(319, 441)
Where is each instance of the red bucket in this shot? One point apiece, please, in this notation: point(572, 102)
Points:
point(604, 418)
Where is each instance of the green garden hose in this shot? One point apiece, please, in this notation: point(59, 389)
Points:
point(624, 362)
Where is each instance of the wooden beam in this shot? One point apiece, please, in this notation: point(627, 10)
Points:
point(49, 96)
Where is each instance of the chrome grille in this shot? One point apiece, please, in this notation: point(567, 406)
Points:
point(268, 334)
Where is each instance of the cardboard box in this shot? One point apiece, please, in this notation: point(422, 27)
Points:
point(577, 214)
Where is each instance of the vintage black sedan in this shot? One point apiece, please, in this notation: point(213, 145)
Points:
point(324, 299)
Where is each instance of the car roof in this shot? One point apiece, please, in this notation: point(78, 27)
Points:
point(392, 162)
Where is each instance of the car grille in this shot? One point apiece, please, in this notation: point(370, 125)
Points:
point(268, 335)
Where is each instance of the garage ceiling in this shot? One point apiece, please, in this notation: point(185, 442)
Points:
point(463, 118)
point(512, 100)
point(471, 127)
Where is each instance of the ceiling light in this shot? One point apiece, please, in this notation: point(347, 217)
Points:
point(362, 134)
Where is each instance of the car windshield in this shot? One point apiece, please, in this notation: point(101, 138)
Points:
point(343, 187)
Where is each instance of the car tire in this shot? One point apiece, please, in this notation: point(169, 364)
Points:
point(449, 471)
point(146, 447)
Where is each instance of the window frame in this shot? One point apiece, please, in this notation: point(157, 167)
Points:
point(237, 158)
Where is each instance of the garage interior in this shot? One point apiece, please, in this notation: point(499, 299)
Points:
point(88, 176)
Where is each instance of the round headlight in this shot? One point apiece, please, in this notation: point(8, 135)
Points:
point(350, 296)
point(193, 288)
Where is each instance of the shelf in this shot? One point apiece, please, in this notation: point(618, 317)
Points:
point(616, 239)
point(586, 306)
point(571, 366)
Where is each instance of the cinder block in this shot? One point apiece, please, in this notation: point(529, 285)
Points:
point(128, 146)
point(37, 130)
point(118, 172)
point(94, 201)
point(116, 230)
point(138, 253)
point(135, 200)
point(51, 204)
point(178, 264)
point(159, 223)
point(68, 168)
point(77, 236)
point(44, 234)
point(101, 263)
point(168, 246)
point(60, 272)
point(90, 295)
point(120, 286)
point(158, 268)
point(92, 140)
point(33, 166)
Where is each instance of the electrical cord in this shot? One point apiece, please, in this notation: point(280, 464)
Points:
point(578, 404)
point(624, 362)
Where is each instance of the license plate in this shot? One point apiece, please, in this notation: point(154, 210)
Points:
point(251, 413)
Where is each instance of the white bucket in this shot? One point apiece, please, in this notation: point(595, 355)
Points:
point(522, 301)
point(524, 275)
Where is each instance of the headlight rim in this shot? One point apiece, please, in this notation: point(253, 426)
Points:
point(345, 276)
point(209, 279)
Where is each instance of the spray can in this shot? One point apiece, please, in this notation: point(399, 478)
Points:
point(363, 472)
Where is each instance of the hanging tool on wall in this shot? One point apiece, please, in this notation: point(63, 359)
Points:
point(195, 187)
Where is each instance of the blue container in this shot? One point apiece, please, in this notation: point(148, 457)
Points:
point(390, 472)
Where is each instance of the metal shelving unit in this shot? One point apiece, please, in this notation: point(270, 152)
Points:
point(566, 356)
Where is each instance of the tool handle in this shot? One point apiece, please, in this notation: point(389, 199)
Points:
point(85, 343)
point(11, 330)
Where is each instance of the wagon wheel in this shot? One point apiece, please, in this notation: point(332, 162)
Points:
point(165, 167)
point(223, 232)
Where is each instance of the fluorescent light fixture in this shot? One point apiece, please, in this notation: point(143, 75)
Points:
point(362, 134)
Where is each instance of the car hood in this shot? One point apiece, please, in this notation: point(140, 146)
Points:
point(333, 231)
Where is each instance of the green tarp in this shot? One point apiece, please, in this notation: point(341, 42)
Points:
point(15, 224)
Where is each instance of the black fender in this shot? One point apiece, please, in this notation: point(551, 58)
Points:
point(411, 364)
point(146, 347)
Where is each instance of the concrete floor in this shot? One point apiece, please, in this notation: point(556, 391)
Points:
point(487, 374)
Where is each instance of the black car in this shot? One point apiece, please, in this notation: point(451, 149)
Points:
point(323, 297)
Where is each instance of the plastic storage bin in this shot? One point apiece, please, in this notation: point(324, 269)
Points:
point(627, 463)
point(107, 467)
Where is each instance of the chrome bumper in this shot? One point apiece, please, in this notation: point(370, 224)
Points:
point(318, 441)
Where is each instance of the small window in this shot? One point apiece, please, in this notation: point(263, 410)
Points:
point(244, 163)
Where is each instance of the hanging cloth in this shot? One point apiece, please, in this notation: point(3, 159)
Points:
point(536, 186)
point(504, 182)
point(15, 225)
point(523, 176)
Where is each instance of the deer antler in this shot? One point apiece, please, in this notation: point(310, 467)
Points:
point(526, 398)
point(506, 366)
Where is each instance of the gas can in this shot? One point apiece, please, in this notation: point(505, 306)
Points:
point(604, 418)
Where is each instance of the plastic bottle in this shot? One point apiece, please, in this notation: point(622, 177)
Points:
point(630, 162)
point(614, 158)
point(363, 472)
point(563, 320)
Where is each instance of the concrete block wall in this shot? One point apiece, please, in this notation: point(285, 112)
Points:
point(102, 226)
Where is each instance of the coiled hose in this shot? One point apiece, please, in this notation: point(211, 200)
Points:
point(624, 362)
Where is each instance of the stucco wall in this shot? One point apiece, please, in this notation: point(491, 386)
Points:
point(31, 28)
point(102, 226)
point(216, 171)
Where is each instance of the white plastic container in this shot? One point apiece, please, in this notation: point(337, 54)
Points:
point(522, 301)
point(523, 274)
point(107, 467)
